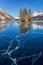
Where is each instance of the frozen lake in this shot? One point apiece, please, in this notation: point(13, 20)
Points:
point(20, 44)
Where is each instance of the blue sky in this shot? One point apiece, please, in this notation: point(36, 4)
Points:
point(13, 6)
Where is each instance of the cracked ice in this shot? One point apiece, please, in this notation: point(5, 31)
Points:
point(15, 60)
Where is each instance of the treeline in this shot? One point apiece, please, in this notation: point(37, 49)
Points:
point(25, 15)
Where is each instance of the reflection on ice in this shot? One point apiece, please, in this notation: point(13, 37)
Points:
point(37, 25)
point(4, 25)
point(24, 28)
